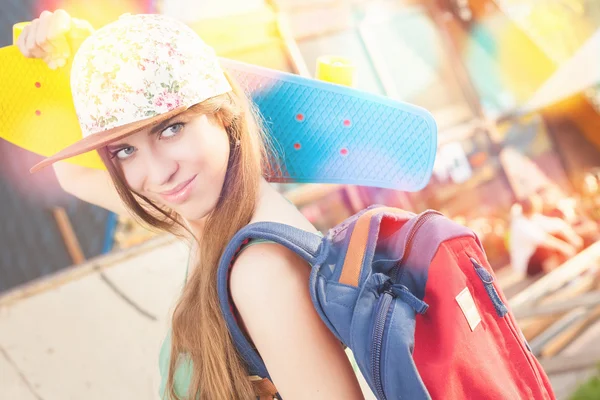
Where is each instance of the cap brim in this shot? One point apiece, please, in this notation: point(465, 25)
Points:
point(101, 139)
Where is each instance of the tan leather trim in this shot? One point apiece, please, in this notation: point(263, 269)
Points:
point(358, 245)
point(263, 388)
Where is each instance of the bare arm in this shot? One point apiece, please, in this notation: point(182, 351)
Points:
point(91, 185)
point(558, 225)
point(561, 246)
point(572, 237)
point(269, 285)
point(51, 38)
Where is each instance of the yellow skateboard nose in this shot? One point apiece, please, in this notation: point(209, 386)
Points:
point(36, 107)
point(335, 69)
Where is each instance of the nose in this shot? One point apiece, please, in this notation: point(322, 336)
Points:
point(160, 171)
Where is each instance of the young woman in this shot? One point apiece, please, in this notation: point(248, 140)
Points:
point(185, 153)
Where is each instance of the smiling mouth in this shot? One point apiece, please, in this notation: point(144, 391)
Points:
point(179, 193)
point(178, 187)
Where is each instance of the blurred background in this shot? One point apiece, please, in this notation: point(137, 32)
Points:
point(514, 86)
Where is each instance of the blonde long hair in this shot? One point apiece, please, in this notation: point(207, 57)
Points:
point(199, 332)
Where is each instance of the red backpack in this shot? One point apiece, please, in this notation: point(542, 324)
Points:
point(414, 298)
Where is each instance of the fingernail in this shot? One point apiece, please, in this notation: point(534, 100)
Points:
point(61, 62)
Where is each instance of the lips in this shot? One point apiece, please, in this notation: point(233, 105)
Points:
point(178, 187)
point(179, 193)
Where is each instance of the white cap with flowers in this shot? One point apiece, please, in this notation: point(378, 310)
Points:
point(135, 72)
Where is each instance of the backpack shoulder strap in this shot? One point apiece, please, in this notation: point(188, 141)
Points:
point(303, 243)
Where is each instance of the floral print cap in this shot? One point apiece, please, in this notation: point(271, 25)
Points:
point(139, 67)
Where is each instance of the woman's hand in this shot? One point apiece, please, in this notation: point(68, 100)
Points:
point(53, 37)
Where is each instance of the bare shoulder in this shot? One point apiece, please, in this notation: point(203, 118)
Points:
point(261, 267)
point(269, 287)
point(266, 263)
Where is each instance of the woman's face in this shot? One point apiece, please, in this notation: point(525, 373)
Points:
point(180, 163)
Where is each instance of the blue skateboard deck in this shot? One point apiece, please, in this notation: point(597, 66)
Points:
point(323, 132)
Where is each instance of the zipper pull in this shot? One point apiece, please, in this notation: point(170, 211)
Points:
point(413, 301)
point(387, 288)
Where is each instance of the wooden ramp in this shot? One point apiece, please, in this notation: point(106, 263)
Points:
point(559, 314)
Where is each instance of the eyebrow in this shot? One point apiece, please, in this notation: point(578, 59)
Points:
point(118, 146)
point(157, 128)
point(161, 127)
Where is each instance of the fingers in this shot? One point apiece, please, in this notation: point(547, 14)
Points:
point(54, 62)
point(59, 27)
point(47, 37)
point(41, 34)
point(30, 41)
point(21, 42)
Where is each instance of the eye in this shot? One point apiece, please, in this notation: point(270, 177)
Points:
point(124, 153)
point(171, 131)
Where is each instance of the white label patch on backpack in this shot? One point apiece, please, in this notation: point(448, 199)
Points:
point(467, 305)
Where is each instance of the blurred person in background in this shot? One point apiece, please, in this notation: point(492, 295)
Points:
point(539, 243)
point(185, 154)
point(572, 210)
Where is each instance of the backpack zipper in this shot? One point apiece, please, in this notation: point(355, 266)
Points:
point(383, 310)
point(421, 220)
point(385, 303)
